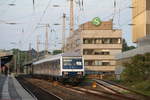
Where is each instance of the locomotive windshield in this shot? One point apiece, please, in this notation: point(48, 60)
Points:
point(72, 63)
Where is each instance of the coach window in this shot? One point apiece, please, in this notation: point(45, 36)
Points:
point(67, 62)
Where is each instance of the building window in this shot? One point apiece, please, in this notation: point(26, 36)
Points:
point(105, 63)
point(85, 41)
point(95, 52)
point(105, 53)
point(101, 40)
point(98, 41)
point(115, 41)
point(88, 62)
point(101, 53)
point(105, 41)
point(87, 52)
point(96, 63)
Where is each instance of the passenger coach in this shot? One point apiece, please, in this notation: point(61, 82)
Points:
point(62, 66)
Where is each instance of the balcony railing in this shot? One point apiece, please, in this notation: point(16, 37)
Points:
point(106, 46)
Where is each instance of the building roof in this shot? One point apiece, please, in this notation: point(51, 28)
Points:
point(105, 25)
point(5, 53)
point(131, 53)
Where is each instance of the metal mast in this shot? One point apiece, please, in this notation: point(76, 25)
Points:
point(63, 32)
point(46, 40)
point(71, 17)
point(30, 52)
point(37, 46)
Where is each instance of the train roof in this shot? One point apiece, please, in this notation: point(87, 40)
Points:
point(49, 58)
point(71, 54)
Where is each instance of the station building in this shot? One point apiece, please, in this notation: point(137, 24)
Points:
point(98, 44)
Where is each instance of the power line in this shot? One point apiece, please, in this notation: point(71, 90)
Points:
point(36, 26)
point(117, 12)
point(44, 12)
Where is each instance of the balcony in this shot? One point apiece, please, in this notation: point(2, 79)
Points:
point(103, 46)
point(101, 34)
point(98, 57)
point(100, 68)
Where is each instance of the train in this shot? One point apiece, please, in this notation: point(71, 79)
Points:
point(62, 67)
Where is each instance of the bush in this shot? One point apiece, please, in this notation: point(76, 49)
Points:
point(137, 69)
point(143, 87)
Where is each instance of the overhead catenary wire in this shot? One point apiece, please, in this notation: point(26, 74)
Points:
point(117, 12)
point(127, 6)
point(36, 26)
point(44, 12)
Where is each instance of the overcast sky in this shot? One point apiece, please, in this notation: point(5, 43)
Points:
point(27, 19)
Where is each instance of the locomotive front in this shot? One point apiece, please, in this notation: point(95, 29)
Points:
point(72, 67)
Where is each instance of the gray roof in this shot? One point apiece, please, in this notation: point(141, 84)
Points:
point(71, 54)
point(131, 53)
point(67, 54)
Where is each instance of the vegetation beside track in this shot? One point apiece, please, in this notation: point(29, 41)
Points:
point(136, 74)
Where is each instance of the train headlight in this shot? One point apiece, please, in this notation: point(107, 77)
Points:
point(65, 73)
point(79, 72)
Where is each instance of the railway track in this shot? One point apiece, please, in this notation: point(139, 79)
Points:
point(39, 93)
point(102, 94)
point(120, 90)
point(85, 94)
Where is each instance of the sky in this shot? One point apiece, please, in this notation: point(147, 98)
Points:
point(30, 21)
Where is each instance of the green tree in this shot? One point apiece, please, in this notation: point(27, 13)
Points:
point(55, 52)
point(125, 46)
point(137, 69)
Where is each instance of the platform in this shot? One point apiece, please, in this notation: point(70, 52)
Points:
point(10, 89)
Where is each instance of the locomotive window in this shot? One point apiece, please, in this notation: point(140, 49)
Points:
point(74, 62)
point(78, 63)
point(67, 62)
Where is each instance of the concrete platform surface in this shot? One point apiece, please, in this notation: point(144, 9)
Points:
point(10, 89)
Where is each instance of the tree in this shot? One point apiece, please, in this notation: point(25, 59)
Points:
point(125, 46)
point(137, 69)
point(55, 52)
point(21, 57)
